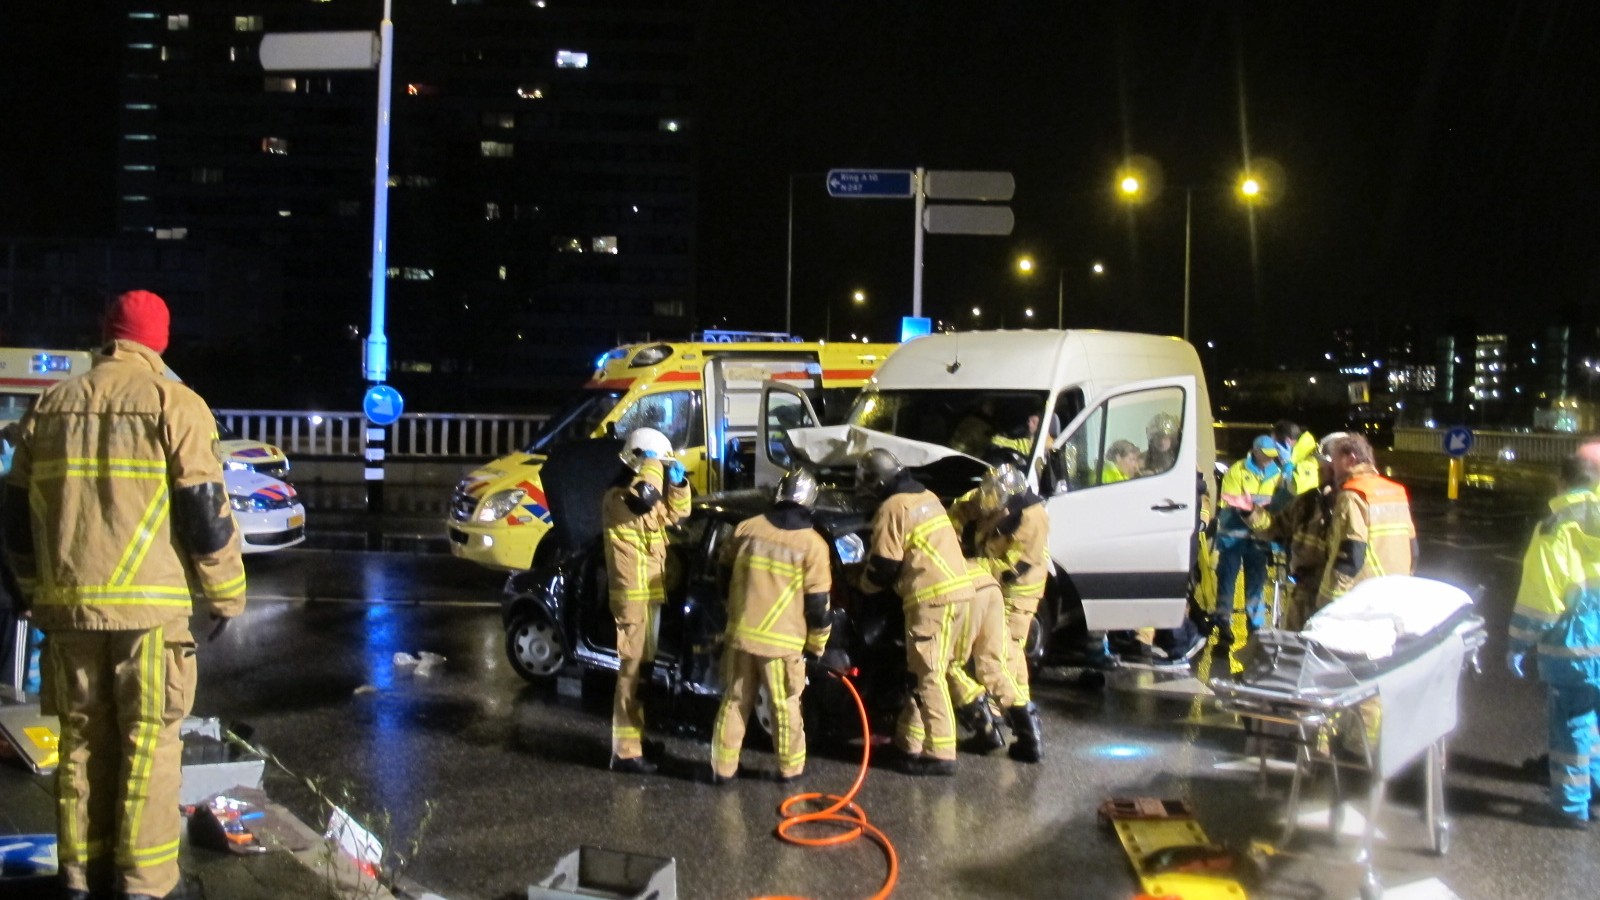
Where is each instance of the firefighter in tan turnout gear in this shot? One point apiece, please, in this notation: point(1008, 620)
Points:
point(1004, 528)
point(777, 614)
point(650, 494)
point(915, 551)
point(116, 516)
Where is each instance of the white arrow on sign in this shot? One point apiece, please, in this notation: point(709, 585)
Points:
point(1457, 442)
point(382, 406)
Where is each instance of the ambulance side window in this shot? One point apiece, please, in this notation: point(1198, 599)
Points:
point(784, 411)
point(675, 414)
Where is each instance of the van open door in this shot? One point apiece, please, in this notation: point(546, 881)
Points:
point(783, 407)
point(1124, 507)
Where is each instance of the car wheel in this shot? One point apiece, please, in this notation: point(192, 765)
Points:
point(535, 647)
point(762, 715)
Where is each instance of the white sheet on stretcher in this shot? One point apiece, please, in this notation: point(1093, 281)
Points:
point(1376, 613)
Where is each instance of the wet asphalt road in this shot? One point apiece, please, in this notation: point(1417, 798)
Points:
point(510, 777)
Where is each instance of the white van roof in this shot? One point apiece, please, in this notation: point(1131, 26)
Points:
point(1033, 359)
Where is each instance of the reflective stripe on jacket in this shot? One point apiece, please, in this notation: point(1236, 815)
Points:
point(101, 457)
point(1558, 602)
point(636, 543)
point(773, 571)
point(1372, 510)
point(1243, 479)
point(1020, 560)
point(911, 528)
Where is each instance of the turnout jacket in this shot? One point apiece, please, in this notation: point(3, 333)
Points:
point(778, 593)
point(1371, 533)
point(116, 510)
point(1010, 543)
point(1558, 602)
point(915, 549)
point(635, 515)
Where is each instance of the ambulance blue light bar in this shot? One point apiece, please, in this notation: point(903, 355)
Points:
point(47, 363)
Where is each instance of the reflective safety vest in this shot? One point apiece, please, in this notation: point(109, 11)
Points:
point(1558, 601)
point(1307, 475)
point(636, 543)
point(1243, 479)
point(100, 457)
point(773, 571)
point(1371, 510)
point(912, 528)
point(1018, 558)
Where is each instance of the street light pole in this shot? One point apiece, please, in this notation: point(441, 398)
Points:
point(1061, 294)
point(788, 266)
point(1188, 216)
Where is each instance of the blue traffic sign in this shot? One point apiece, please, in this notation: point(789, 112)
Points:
point(869, 183)
point(382, 405)
point(1457, 441)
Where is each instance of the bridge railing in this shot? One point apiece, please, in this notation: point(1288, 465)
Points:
point(343, 434)
point(1519, 446)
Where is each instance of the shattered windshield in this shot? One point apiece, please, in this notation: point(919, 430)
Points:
point(579, 420)
point(968, 421)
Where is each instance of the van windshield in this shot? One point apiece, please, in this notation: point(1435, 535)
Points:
point(579, 420)
point(969, 421)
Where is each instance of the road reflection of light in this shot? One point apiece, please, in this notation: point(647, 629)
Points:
point(1120, 751)
point(381, 636)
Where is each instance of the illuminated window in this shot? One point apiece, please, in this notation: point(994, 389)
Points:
point(491, 211)
point(502, 273)
point(248, 23)
point(177, 23)
point(418, 89)
point(139, 168)
point(531, 91)
point(496, 149)
point(171, 234)
point(571, 59)
point(206, 176)
point(140, 106)
point(566, 244)
point(135, 198)
point(410, 273)
point(499, 120)
point(139, 137)
point(606, 243)
point(278, 84)
point(671, 125)
point(275, 145)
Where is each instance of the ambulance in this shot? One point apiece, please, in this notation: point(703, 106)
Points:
point(704, 395)
point(268, 510)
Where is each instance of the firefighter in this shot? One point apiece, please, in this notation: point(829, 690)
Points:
point(1161, 444)
point(129, 518)
point(1372, 533)
point(1005, 528)
point(915, 551)
point(650, 494)
point(777, 615)
point(1557, 618)
point(1302, 526)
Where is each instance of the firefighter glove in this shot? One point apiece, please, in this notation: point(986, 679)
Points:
point(675, 472)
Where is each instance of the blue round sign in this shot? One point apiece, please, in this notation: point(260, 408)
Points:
point(1457, 441)
point(382, 405)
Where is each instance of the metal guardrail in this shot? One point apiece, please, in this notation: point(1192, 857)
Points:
point(416, 435)
point(1519, 446)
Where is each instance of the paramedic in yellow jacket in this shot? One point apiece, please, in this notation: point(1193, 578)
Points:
point(129, 519)
point(1371, 533)
point(652, 493)
point(1005, 529)
point(1302, 525)
point(777, 615)
point(915, 551)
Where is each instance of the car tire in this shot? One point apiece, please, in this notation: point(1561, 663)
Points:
point(535, 647)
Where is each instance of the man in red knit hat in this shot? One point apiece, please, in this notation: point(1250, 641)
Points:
point(129, 511)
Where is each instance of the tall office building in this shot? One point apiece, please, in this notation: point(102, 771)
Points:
point(541, 202)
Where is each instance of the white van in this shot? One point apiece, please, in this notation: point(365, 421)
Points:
point(1122, 540)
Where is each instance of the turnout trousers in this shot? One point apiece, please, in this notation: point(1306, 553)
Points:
point(636, 645)
point(121, 697)
point(983, 635)
point(927, 723)
point(743, 675)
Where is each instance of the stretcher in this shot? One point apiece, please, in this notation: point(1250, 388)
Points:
point(1293, 691)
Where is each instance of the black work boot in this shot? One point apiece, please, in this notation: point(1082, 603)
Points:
point(632, 765)
point(924, 765)
point(978, 718)
point(1025, 722)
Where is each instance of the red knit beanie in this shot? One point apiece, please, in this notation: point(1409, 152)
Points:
point(139, 316)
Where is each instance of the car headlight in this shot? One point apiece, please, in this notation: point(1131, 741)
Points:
point(499, 504)
point(851, 548)
point(237, 465)
point(241, 504)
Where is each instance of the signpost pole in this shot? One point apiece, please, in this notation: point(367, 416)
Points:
point(377, 355)
point(916, 259)
point(1453, 489)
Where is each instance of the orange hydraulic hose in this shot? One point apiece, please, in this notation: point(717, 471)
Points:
point(844, 813)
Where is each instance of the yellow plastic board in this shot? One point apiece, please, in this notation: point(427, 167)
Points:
point(1142, 837)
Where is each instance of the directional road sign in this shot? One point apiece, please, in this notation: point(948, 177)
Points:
point(870, 183)
point(995, 186)
point(382, 405)
point(1457, 441)
point(318, 51)
point(954, 219)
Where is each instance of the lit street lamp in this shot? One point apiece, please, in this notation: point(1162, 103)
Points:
point(1027, 266)
point(858, 297)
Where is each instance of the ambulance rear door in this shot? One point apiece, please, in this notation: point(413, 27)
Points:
point(733, 398)
point(1126, 541)
point(783, 407)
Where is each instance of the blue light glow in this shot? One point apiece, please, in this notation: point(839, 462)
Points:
point(1120, 751)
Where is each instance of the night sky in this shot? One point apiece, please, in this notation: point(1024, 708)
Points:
point(1439, 158)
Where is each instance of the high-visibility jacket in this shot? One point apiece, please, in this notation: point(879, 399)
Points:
point(635, 516)
point(778, 595)
point(1243, 479)
point(915, 549)
point(1110, 474)
point(1371, 533)
point(1011, 544)
point(125, 515)
point(1558, 602)
point(1302, 472)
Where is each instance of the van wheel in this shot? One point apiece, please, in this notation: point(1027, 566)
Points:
point(535, 647)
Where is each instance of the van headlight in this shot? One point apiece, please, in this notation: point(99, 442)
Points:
point(499, 504)
point(851, 548)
